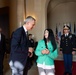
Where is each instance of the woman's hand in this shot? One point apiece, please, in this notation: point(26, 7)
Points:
point(45, 51)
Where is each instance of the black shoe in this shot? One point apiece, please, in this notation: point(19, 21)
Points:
point(70, 73)
point(65, 73)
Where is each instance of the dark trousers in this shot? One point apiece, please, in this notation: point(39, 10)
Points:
point(25, 72)
point(1, 63)
point(28, 66)
point(68, 63)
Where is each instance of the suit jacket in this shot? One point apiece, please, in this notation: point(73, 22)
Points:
point(2, 44)
point(19, 46)
point(68, 44)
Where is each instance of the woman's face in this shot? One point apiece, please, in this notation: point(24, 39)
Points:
point(46, 33)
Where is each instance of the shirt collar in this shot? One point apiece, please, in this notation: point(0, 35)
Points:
point(67, 34)
point(24, 28)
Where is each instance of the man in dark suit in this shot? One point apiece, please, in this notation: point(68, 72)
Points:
point(20, 47)
point(2, 50)
point(67, 47)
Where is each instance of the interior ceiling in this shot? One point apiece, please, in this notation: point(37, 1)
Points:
point(62, 0)
point(54, 3)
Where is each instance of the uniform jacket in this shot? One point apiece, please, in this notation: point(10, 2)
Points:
point(68, 44)
point(19, 46)
point(47, 58)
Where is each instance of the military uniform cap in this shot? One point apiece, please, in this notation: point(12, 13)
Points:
point(66, 27)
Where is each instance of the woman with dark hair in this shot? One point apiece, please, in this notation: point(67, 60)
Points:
point(46, 51)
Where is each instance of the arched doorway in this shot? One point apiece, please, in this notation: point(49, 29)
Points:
point(60, 13)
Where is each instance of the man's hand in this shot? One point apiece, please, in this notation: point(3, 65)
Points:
point(73, 52)
point(30, 54)
point(30, 50)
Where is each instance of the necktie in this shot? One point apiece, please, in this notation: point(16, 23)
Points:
point(66, 35)
point(27, 33)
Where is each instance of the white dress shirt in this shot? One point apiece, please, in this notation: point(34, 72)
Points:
point(66, 34)
point(25, 29)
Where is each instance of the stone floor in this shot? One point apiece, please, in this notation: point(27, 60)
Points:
point(7, 71)
point(32, 71)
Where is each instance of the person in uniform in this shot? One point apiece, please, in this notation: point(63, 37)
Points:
point(67, 48)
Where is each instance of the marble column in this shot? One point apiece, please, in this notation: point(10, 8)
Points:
point(20, 12)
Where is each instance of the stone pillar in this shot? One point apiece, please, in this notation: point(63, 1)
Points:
point(20, 12)
point(16, 14)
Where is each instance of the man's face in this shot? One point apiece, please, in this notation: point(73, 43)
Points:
point(66, 31)
point(31, 24)
point(30, 37)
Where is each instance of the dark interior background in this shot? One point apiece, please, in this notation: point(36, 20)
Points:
point(4, 21)
point(4, 24)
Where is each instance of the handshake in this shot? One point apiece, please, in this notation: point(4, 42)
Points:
point(45, 51)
